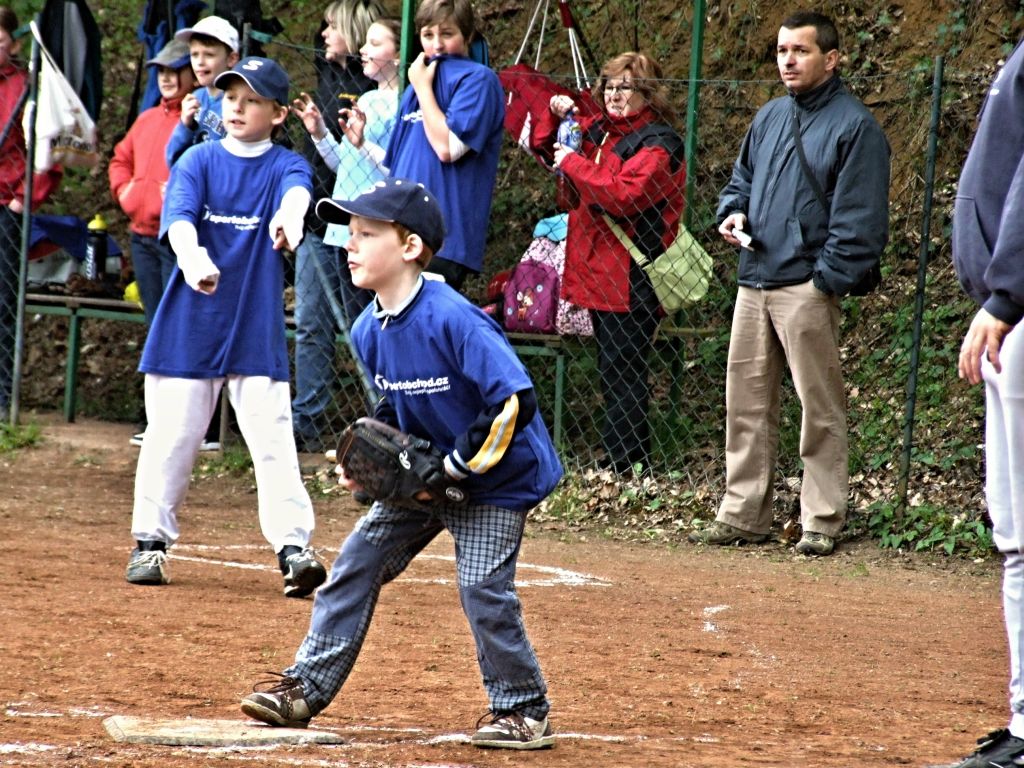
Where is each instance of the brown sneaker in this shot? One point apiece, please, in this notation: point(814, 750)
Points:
point(512, 730)
point(281, 702)
point(723, 534)
point(812, 543)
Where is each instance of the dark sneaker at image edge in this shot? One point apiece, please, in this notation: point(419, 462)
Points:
point(999, 749)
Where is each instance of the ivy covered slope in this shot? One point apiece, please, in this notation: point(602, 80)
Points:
point(891, 42)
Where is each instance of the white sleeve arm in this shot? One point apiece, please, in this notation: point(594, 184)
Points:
point(193, 260)
point(455, 146)
point(374, 153)
point(328, 149)
point(291, 216)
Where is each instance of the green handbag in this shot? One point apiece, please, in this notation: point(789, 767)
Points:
point(680, 275)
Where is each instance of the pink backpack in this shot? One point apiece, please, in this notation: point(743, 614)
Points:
point(531, 297)
point(547, 312)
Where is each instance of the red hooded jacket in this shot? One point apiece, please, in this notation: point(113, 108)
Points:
point(631, 191)
point(138, 170)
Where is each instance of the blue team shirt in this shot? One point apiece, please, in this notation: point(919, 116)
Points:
point(473, 101)
point(209, 126)
point(240, 328)
point(440, 363)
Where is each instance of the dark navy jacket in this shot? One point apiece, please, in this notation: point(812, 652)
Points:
point(988, 217)
point(796, 239)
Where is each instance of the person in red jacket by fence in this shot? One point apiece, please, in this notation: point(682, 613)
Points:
point(630, 169)
point(13, 90)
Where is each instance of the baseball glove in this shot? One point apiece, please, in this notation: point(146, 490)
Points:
point(396, 467)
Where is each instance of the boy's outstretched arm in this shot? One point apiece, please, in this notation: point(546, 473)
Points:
point(199, 271)
point(286, 224)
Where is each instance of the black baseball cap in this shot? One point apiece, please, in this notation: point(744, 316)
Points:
point(401, 201)
point(264, 76)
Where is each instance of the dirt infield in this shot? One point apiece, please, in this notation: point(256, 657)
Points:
point(654, 656)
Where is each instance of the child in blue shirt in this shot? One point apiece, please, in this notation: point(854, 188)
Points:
point(231, 206)
point(213, 49)
point(449, 133)
point(447, 374)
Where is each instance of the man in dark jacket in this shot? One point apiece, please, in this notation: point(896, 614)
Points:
point(988, 252)
point(818, 225)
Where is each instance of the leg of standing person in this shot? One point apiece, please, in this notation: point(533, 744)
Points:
point(314, 339)
point(10, 261)
point(487, 543)
point(153, 264)
point(382, 543)
point(753, 384)
point(1004, 496)
point(177, 411)
point(807, 324)
point(624, 343)
point(263, 409)
point(147, 262)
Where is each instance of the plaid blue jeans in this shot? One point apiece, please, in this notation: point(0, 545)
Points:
point(382, 544)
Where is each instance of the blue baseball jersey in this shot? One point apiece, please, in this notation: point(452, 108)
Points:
point(471, 97)
point(240, 328)
point(209, 126)
point(440, 363)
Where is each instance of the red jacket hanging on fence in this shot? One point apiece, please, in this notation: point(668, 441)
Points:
point(12, 152)
point(138, 170)
point(643, 193)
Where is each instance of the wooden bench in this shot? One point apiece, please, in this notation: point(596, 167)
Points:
point(77, 308)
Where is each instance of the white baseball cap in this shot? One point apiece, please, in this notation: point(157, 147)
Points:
point(211, 26)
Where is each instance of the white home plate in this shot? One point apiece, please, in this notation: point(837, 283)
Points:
point(210, 733)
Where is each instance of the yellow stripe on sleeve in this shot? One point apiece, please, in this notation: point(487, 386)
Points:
point(498, 439)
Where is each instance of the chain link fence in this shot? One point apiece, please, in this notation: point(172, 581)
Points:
point(683, 391)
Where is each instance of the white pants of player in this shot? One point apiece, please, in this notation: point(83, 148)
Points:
point(1004, 492)
point(178, 412)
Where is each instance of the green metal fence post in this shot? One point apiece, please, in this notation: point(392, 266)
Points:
point(922, 275)
point(690, 149)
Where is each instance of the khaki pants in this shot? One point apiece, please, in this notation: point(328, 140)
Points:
point(797, 325)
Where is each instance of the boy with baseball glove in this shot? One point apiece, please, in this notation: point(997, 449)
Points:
point(449, 378)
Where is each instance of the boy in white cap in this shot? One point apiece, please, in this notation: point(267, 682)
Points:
point(449, 375)
point(213, 49)
point(231, 206)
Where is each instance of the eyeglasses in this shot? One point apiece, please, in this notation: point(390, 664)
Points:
point(625, 89)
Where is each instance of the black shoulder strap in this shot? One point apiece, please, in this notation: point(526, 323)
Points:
point(815, 186)
point(653, 135)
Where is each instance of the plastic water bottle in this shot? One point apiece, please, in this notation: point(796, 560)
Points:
point(570, 136)
point(96, 248)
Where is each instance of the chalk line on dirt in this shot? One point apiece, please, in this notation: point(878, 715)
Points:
point(548, 575)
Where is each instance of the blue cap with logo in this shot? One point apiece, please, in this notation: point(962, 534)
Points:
point(401, 201)
point(264, 76)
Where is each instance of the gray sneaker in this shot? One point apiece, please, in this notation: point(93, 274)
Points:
point(147, 567)
point(724, 534)
point(281, 702)
point(812, 543)
point(512, 730)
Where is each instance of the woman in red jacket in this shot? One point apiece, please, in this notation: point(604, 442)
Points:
point(630, 168)
point(13, 87)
